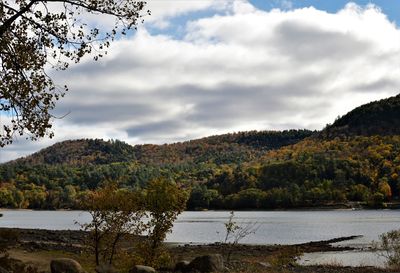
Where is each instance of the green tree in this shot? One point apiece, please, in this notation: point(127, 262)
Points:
point(54, 198)
point(164, 202)
point(358, 192)
point(250, 199)
point(115, 213)
point(69, 196)
point(19, 199)
point(376, 200)
point(201, 197)
point(36, 197)
point(6, 198)
point(385, 189)
point(38, 34)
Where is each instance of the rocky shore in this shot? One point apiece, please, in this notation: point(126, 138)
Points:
point(38, 247)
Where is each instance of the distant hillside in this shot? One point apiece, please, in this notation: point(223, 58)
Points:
point(58, 176)
point(83, 151)
point(356, 159)
point(220, 149)
point(376, 118)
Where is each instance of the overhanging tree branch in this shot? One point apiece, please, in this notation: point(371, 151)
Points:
point(32, 35)
point(6, 25)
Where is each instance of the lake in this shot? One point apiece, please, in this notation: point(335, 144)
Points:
point(274, 227)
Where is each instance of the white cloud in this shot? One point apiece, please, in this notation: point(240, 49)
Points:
point(162, 11)
point(243, 69)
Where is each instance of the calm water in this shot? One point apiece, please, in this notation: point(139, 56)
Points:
point(274, 227)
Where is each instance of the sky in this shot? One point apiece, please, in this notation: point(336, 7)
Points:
point(206, 67)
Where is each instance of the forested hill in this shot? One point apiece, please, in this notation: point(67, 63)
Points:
point(80, 152)
point(221, 149)
point(375, 118)
point(356, 159)
point(227, 148)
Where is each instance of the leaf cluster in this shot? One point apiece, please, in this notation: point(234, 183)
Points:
point(115, 213)
point(36, 36)
point(119, 214)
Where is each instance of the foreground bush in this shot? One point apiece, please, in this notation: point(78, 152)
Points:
point(118, 214)
point(390, 245)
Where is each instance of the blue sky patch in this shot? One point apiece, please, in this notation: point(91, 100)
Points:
point(390, 7)
point(177, 25)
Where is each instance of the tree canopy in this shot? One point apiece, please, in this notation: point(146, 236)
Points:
point(244, 170)
point(36, 36)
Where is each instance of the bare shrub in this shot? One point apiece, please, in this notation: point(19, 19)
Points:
point(234, 233)
point(389, 247)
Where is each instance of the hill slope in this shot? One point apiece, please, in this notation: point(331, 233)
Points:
point(80, 152)
point(221, 149)
point(375, 118)
point(357, 158)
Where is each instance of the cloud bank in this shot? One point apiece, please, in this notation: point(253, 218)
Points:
point(235, 68)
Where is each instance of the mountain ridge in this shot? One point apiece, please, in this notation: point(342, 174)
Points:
point(356, 159)
point(381, 117)
point(98, 151)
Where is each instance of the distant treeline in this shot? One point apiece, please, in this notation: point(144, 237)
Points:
point(375, 118)
point(357, 158)
point(312, 172)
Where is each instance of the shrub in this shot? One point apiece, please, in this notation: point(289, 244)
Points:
point(115, 213)
point(164, 201)
point(234, 233)
point(389, 244)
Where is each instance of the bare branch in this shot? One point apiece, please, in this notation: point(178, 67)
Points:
point(6, 25)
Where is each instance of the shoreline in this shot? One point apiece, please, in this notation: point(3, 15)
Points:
point(76, 236)
point(34, 244)
point(394, 206)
